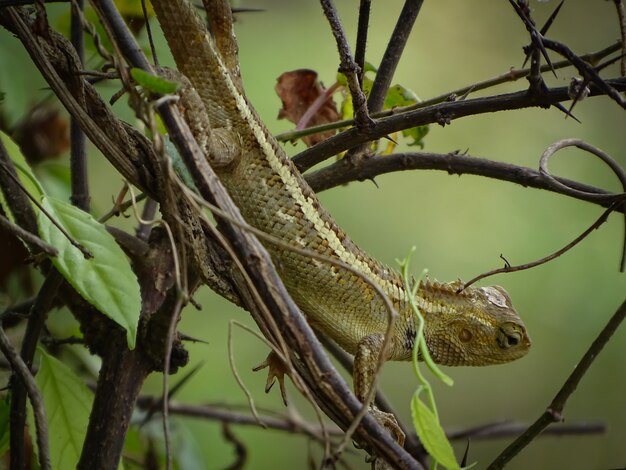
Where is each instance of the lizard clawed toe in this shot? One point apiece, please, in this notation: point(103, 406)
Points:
point(276, 370)
point(389, 422)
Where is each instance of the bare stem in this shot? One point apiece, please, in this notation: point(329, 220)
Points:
point(554, 411)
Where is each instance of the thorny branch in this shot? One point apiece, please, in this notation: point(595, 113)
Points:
point(554, 411)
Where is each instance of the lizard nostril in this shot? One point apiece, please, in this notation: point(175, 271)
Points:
point(513, 340)
point(508, 340)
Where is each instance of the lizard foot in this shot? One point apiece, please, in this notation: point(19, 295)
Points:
point(389, 422)
point(276, 370)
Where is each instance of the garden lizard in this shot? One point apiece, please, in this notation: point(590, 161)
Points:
point(471, 327)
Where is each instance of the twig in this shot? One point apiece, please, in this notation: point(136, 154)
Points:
point(348, 67)
point(281, 423)
point(241, 453)
point(621, 16)
point(442, 113)
point(554, 411)
point(508, 429)
point(613, 165)
point(78, 151)
point(22, 372)
point(36, 319)
point(509, 76)
point(584, 68)
point(17, 200)
point(86, 253)
point(361, 37)
point(28, 237)
point(509, 269)
point(166, 372)
point(393, 53)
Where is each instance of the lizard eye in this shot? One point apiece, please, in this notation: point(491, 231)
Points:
point(465, 335)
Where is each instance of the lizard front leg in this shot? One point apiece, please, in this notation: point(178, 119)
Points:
point(220, 145)
point(365, 362)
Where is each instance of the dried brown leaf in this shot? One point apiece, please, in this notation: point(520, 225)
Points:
point(303, 96)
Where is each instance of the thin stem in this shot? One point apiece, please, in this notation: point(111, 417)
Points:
point(36, 319)
point(393, 53)
point(28, 237)
point(509, 269)
point(621, 16)
point(86, 253)
point(348, 67)
point(361, 37)
point(78, 151)
point(22, 372)
point(554, 411)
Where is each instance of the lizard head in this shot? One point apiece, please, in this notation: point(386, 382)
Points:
point(475, 327)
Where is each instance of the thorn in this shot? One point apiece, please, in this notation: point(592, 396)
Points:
point(375, 183)
point(466, 453)
point(506, 261)
point(191, 339)
point(390, 139)
point(567, 112)
point(548, 23)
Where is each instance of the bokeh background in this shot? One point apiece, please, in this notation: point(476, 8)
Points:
point(460, 226)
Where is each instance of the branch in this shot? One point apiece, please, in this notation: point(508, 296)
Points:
point(36, 319)
point(342, 172)
point(393, 53)
point(554, 411)
point(511, 269)
point(348, 67)
point(21, 371)
point(506, 429)
point(509, 76)
point(28, 237)
point(442, 113)
point(78, 152)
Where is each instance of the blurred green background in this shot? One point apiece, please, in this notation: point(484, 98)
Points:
point(460, 226)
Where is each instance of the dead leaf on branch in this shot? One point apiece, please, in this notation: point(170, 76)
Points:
point(303, 96)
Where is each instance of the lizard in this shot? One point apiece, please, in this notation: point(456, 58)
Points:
point(474, 326)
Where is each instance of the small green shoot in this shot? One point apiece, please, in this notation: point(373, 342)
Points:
point(425, 415)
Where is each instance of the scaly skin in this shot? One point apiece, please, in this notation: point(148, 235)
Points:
point(475, 327)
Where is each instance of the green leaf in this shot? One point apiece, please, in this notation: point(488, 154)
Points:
point(5, 409)
point(431, 434)
point(68, 402)
point(416, 135)
point(55, 178)
point(153, 83)
point(106, 281)
point(24, 173)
